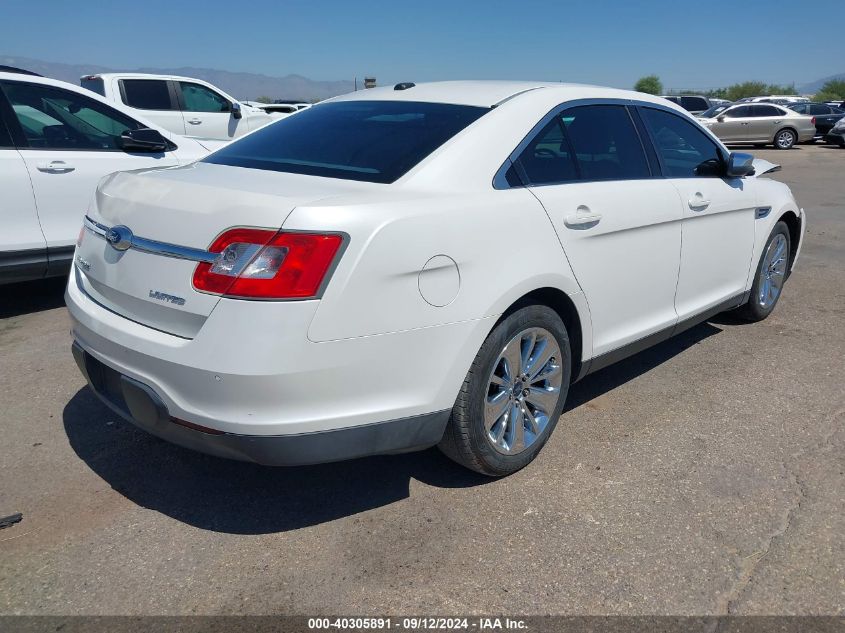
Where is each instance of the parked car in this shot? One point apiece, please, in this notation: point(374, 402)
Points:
point(761, 124)
point(183, 105)
point(825, 116)
point(713, 111)
point(694, 104)
point(394, 269)
point(780, 99)
point(836, 135)
point(56, 142)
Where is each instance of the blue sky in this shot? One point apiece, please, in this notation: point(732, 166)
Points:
point(688, 44)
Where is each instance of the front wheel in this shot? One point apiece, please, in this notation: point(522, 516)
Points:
point(785, 139)
point(513, 394)
point(771, 273)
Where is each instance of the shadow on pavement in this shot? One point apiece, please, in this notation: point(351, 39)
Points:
point(32, 296)
point(240, 498)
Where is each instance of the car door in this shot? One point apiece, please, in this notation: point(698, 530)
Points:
point(157, 100)
point(717, 232)
point(619, 226)
point(70, 141)
point(765, 120)
point(207, 113)
point(731, 125)
point(23, 251)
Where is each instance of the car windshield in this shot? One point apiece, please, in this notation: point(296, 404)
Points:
point(713, 111)
point(373, 141)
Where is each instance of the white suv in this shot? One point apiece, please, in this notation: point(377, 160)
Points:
point(56, 142)
point(182, 105)
point(419, 265)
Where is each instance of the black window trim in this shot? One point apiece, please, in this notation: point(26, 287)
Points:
point(499, 179)
point(19, 138)
point(7, 122)
point(171, 90)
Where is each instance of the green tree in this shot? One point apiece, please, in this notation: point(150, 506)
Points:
point(649, 84)
point(833, 90)
point(264, 100)
point(746, 89)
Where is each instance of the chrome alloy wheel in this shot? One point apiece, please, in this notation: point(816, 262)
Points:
point(523, 390)
point(772, 272)
point(785, 139)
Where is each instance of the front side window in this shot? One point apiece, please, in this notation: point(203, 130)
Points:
point(54, 118)
point(819, 109)
point(372, 141)
point(146, 94)
point(197, 98)
point(739, 112)
point(684, 149)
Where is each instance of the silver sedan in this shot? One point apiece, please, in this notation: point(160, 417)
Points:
point(761, 124)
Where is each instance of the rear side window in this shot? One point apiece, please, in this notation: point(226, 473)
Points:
point(605, 142)
point(547, 158)
point(684, 149)
point(146, 94)
point(94, 84)
point(372, 141)
point(694, 104)
point(765, 110)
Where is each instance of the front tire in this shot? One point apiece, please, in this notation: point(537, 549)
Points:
point(785, 139)
point(513, 394)
point(770, 276)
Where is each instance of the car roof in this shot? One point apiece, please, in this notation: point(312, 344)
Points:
point(490, 93)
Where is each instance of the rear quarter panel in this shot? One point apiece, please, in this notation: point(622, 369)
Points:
point(502, 245)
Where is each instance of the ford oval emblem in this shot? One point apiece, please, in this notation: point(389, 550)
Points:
point(120, 237)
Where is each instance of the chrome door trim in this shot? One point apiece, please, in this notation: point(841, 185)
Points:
point(154, 247)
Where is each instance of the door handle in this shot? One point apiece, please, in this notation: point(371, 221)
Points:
point(194, 121)
point(583, 218)
point(55, 167)
point(698, 202)
point(743, 123)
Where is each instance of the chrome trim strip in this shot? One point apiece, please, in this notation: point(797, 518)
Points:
point(154, 247)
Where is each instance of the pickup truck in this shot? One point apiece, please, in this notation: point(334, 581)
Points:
point(182, 105)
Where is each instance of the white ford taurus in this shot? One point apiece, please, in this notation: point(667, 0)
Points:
point(414, 266)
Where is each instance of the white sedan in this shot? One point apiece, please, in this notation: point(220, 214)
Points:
point(426, 265)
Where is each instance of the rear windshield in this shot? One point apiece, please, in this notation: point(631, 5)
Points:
point(373, 141)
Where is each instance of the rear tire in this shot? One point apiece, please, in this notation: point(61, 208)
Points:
point(771, 273)
point(513, 394)
point(785, 139)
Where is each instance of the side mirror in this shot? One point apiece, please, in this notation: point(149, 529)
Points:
point(144, 140)
point(236, 110)
point(740, 165)
point(721, 118)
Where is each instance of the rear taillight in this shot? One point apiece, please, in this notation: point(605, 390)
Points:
point(262, 264)
point(813, 120)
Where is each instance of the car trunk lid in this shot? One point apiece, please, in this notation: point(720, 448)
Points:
point(180, 208)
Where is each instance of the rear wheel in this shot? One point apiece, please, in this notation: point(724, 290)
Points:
point(771, 274)
point(785, 139)
point(513, 394)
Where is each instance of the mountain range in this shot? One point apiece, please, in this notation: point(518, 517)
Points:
point(240, 85)
point(815, 86)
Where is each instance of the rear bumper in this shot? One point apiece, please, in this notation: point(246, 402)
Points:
point(139, 404)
